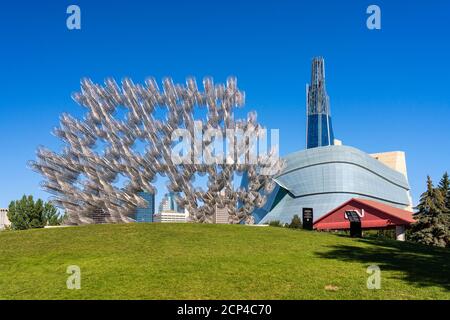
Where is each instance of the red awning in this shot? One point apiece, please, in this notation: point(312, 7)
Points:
point(380, 216)
point(381, 223)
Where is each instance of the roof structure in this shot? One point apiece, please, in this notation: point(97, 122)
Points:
point(372, 214)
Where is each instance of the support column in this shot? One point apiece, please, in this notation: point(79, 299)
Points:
point(400, 233)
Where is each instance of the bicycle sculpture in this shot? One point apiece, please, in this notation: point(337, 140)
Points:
point(82, 178)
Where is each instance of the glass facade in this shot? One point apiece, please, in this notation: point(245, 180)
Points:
point(146, 214)
point(325, 175)
point(320, 131)
point(324, 178)
point(319, 128)
point(169, 203)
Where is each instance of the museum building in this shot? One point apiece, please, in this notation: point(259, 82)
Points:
point(328, 174)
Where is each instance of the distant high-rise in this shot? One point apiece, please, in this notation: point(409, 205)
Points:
point(169, 203)
point(145, 214)
point(170, 211)
point(319, 128)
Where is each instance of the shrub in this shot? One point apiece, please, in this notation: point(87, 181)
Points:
point(276, 223)
point(27, 214)
point(296, 223)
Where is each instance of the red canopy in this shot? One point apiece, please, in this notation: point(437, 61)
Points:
point(372, 214)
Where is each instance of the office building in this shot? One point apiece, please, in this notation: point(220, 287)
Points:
point(169, 210)
point(171, 217)
point(145, 214)
point(169, 203)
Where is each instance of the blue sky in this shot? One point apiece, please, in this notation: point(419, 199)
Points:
point(389, 89)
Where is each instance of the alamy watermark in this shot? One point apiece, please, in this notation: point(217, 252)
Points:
point(74, 280)
point(218, 146)
point(374, 280)
point(73, 21)
point(374, 20)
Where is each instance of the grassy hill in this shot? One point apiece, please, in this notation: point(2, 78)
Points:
point(191, 261)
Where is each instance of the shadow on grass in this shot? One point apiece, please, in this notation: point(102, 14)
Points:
point(421, 265)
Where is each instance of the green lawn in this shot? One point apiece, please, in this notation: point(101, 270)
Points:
point(192, 261)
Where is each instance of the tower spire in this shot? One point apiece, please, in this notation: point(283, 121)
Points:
point(319, 127)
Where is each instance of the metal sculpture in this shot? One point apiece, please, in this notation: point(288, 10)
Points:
point(82, 179)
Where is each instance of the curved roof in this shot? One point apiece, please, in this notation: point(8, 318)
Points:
point(325, 177)
point(342, 169)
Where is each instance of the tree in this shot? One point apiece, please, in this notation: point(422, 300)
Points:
point(296, 223)
point(431, 200)
point(444, 187)
point(27, 214)
point(52, 215)
point(430, 227)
